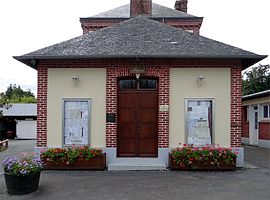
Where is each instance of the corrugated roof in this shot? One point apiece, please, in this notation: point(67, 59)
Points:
point(158, 11)
point(21, 110)
point(140, 37)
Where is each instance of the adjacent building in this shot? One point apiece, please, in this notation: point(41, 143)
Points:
point(256, 119)
point(19, 121)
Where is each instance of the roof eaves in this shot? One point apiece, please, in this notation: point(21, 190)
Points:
point(33, 61)
point(150, 17)
point(265, 93)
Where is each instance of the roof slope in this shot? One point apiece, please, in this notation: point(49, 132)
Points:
point(140, 37)
point(20, 109)
point(158, 11)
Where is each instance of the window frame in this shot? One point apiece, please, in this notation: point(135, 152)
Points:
point(212, 131)
point(268, 117)
point(137, 83)
point(89, 100)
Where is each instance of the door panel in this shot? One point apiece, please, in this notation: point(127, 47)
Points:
point(137, 123)
point(147, 147)
point(148, 115)
point(127, 130)
point(127, 115)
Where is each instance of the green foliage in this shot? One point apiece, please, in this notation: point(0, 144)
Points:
point(189, 156)
point(14, 94)
point(70, 155)
point(256, 80)
point(4, 103)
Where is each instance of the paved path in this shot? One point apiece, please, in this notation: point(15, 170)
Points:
point(244, 184)
point(259, 157)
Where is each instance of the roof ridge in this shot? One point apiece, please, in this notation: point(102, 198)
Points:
point(141, 37)
point(159, 11)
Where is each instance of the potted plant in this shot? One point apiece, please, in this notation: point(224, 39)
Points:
point(74, 158)
point(22, 173)
point(202, 158)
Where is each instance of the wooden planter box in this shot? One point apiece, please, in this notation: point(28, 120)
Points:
point(91, 164)
point(207, 167)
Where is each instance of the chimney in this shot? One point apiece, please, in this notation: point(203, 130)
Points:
point(140, 7)
point(181, 5)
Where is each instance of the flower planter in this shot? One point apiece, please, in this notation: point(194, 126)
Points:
point(17, 185)
point(203, 165)
point(98, 163)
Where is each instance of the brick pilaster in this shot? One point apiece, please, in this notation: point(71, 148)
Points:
point(42, 107)
point(236, 106)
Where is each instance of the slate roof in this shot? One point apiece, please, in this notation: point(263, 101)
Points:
point(158, 11)
point(140, 37)
point(23, 110)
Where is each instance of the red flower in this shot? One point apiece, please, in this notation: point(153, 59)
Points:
point(191, 159)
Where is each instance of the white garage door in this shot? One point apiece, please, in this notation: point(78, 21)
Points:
point(26, 129)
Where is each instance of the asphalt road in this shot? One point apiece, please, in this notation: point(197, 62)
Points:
point(251, 183)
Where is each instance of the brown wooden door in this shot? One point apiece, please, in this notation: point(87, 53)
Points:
point(137, 124)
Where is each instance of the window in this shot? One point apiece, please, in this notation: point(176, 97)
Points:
point(127, 84)
point(147, 84)
point(141, 84)
point(76, 114)
point(245, 113)
point(199, 121)
point(266, 111)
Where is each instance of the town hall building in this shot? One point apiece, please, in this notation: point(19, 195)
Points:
point(139, 82)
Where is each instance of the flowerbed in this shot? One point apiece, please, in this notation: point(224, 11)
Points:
point(74, 158)
point(22, 174)
point(202, 158)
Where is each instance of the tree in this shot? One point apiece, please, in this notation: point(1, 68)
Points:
point(14, 94)
point(3, 104)
point(256, 80)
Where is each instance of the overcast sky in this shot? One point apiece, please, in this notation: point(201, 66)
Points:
point(28, 25)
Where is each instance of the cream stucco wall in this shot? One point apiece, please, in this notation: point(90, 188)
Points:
point(183, 84)
point(92, 85)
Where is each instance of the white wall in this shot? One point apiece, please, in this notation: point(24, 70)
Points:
point(92, 84)
point(183, 84)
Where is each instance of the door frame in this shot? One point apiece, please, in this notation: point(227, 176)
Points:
point(253, 133)
point(157, 112)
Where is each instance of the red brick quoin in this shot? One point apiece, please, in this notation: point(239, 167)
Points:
point(42, 107)
point(159, 68)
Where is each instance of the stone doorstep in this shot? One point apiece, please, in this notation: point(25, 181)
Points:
point(136, 164)
point(136, 167)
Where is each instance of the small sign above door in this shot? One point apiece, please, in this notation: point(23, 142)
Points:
point(137, 70)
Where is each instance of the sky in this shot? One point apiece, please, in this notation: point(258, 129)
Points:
point(28, 25)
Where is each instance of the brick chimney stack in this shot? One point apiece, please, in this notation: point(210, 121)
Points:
point(181, 5)
point(140, 7)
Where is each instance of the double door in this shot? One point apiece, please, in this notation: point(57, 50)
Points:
point(137, 124)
